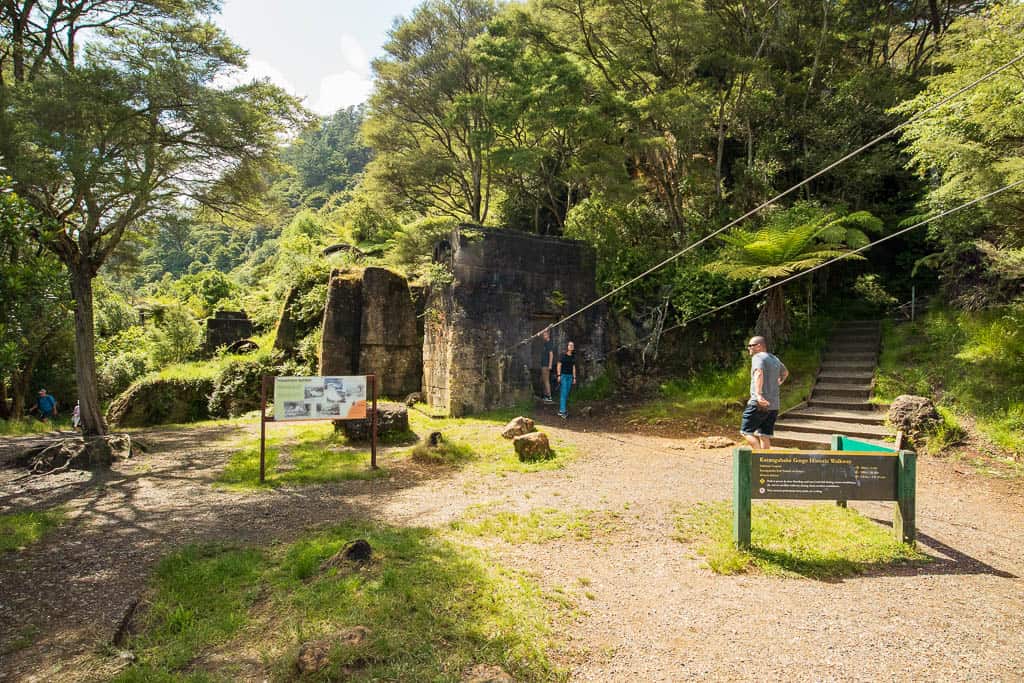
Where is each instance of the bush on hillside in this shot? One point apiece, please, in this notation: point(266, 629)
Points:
point(158, 400)
point(236, 390)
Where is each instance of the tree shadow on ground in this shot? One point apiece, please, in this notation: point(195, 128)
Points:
point(125, 519)
point(950, 562)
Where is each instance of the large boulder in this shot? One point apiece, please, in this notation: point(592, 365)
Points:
point(915, 416)
point(533, 447)
point(392, 421)
point(156, 400)
point(237, 388)
point(517, 427)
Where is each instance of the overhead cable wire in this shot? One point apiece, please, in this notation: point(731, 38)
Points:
point(941, 102)
point(841, 257)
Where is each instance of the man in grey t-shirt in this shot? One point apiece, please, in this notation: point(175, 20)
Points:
point(766, 374)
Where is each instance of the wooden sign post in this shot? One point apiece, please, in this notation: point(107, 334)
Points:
point(308, 399)
point(853, 470)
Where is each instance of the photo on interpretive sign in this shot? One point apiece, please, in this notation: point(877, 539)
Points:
point(824, 476)
point(320, 398)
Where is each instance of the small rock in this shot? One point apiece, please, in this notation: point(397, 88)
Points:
point(715, 442)
point(487, 673)
point(354, 552)
point(587, 411)
point(533, 447)
point(314, 656)
point(414, 398)
point(435, 439)
point(517, 427)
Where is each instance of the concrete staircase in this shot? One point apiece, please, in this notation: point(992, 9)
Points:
point(839, 399)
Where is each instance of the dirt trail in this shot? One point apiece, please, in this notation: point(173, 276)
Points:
point(649, 612)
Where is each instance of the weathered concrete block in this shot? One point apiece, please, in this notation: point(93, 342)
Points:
point(226, 328)
point(343, 315)
point(392, 420)
point(507, 286)
point(389, 345)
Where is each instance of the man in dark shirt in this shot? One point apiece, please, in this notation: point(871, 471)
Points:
point(547, 364)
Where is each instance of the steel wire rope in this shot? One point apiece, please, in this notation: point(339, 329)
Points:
point(604, 297)
point(848, 254)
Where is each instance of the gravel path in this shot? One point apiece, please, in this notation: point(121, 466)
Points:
point(648, 611)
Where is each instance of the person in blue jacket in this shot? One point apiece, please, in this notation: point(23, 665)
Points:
point(46, 405)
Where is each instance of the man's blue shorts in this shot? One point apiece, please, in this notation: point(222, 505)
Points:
point(758, 422)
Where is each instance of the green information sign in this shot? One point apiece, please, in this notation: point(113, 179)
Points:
point(837, 475)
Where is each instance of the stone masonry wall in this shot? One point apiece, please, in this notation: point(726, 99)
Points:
point(507, 286)
point(370, 328)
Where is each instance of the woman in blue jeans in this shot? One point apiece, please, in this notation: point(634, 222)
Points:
point(566, 377)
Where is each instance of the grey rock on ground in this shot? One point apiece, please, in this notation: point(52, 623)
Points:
point(532, 447)
point(915, 416)
point(517, 427)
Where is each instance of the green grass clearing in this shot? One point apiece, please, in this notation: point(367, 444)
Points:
point(719, 394)
point(298, 454)
point(21, 529)
point(433, 607)
point(30, 426)
point(537, 526)
point(969, 363)
point(820, 541)
point(476, 441)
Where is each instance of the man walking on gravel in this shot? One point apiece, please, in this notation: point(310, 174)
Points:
point(767, 373)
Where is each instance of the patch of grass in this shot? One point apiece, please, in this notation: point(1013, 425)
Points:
point(298, 454)
point(433, 608)
point(719, 394)
point(21, 529)
point(538, 526)
point(24, 637)
point(479, 442)
point(598, 389)
point(820, 541)
point(445, 453)
point(30, 426)
point(968, 362)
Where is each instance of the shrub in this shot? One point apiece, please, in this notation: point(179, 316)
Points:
point(236, 390)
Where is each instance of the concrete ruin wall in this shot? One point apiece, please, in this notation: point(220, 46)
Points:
point(370, 328)
point(225, 328)
point(507, 286)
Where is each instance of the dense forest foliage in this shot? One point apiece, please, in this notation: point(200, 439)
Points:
point(636, 126)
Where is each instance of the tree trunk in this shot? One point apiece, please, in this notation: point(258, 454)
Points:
point(5, 412)
point(773, 320)
point(19, 387)
point(85, 352)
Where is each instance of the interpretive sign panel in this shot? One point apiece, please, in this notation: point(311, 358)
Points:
point(320, 398)
point(835, 475)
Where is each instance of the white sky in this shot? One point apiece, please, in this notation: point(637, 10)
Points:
point(317, 49)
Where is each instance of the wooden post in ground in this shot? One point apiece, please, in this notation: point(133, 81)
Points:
point(263, 428)
point(904, 518)
point(373, 423)
point(837, 445)
point(741, 497)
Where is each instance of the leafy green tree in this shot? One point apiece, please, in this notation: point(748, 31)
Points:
point(429, 123)
point(34, 301)
point(793, 240)
point(177, 336)
point(971, 147)
point(111, 114)
point(329, 158)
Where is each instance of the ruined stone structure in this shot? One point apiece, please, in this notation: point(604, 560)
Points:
point(370, 328)
point(507, 286)
point(227, 327)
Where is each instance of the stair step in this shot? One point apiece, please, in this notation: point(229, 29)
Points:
point(842, 389)
point(850, 346)
point(873, 417)
point(811, 441)
point(833, 377)
point(858, 431)
point(861, 357)
point(847, 365)
point(840, 404)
